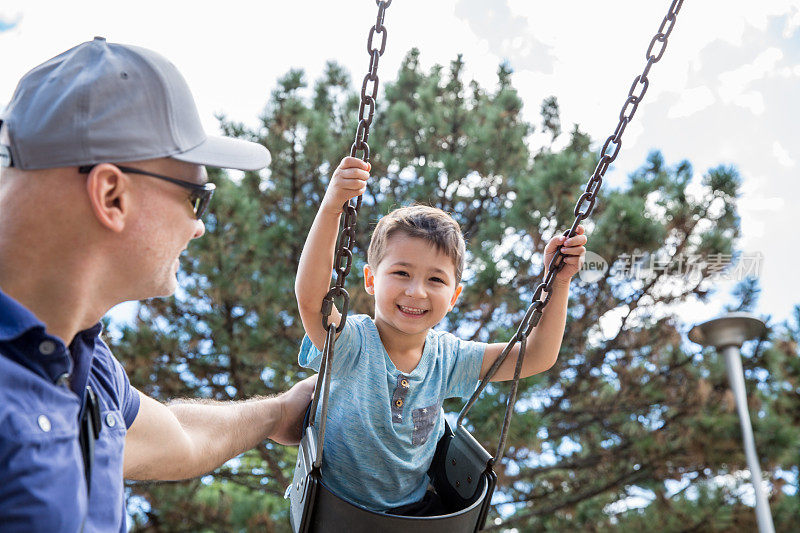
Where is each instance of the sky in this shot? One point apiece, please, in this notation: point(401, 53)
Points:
point(725, 92)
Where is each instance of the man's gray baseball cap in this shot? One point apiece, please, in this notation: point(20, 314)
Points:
point(102, 102)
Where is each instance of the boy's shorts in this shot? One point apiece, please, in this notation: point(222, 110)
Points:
point(429, 505)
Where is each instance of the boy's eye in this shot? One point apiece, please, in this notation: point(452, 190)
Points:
point(437, 280)
point(400, 273)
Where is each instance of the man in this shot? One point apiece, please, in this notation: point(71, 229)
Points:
point(102, 146)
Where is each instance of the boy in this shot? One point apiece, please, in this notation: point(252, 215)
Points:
point(391, 374)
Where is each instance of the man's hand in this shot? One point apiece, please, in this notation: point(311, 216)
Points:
point(294, 402)
point(574, 253)
point(348, 181)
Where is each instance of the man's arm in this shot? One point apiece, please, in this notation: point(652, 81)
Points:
point(544, 342)
point(189, 438)
point(316, 261)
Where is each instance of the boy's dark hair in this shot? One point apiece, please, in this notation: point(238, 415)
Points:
point(423, 222)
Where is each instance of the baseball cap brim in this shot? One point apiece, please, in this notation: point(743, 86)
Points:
point(226, 152)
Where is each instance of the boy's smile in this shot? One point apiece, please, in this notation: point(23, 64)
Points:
point(412, 311)
point(414, 287)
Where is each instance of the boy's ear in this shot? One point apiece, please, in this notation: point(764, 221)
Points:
point(456, 294)
point(369, 280)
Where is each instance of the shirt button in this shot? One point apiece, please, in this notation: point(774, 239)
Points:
point(399, 402)
point(111, 421)
point(47, 347)
point(404, 383)
point(44, 423)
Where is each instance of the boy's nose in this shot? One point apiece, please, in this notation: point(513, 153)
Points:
point(415, 290)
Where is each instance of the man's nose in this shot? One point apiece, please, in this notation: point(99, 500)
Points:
point(200, 229)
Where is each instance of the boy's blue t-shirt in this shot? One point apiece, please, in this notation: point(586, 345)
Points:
point(383, 424)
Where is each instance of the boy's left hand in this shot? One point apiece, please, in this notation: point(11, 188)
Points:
point(574, 254)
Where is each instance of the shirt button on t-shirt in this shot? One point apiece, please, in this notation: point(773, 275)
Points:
point(110, 420)
point(44, 423)
point(47, 347)
point(404, 383)
point(399, 402)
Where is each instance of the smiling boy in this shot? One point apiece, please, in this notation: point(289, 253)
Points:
point(392, 373)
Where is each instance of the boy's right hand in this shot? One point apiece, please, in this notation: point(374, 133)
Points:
point(348, 181)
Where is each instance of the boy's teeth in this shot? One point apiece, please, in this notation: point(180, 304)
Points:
point(411, 310)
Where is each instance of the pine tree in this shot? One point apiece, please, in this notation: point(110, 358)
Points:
point(629, 408)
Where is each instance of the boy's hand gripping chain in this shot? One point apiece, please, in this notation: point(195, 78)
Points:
point(584, 207)
point(344, 249)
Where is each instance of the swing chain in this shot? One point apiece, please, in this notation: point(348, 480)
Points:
point(583, 208)
point(609, 152)
point(343, 258)
point(369, 87)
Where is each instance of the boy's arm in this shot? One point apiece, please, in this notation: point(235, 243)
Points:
point(316, 261)
point(544, 342)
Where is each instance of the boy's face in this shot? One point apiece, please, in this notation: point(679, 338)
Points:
point(414, 285)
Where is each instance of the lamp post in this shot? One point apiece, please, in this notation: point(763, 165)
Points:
point(727, 334)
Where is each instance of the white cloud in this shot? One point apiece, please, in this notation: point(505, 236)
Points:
point(757, 213)
point(782, 155)
point(692, 101)
point(752, 101)
point(792, 23)
point(733, 84)
point(790, 72)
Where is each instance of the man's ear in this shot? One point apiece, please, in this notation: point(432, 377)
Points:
point(109, 195)
point(369, 280)
point(456, 294)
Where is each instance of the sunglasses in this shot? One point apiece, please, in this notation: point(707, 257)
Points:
point(199, 195)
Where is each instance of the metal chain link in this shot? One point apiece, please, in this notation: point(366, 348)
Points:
point(583, 208)
point(343, 258)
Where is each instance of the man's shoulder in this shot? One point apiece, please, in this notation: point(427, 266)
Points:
point(108, 376)
point(104, 361)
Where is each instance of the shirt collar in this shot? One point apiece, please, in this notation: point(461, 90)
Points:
point(92, 332)
point(15, 319)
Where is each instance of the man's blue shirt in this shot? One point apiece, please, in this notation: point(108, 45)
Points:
point(42, 384)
